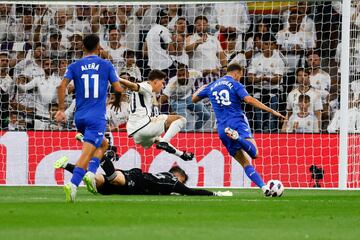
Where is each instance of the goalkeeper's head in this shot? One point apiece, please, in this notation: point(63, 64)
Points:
point(91, 44)
point(236, 71)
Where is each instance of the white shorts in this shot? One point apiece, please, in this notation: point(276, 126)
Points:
point(147, 135)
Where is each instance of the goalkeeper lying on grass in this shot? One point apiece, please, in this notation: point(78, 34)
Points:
point(136, 182)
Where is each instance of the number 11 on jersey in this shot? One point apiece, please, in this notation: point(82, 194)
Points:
point(95, 77)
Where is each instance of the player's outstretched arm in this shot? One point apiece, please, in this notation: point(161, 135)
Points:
point(60, 114)
point(117, 87)
point(256, 103)
point(130, 85)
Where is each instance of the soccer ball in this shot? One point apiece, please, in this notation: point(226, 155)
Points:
point(276, 188)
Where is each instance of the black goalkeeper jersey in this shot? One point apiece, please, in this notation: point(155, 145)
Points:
point(139, 183)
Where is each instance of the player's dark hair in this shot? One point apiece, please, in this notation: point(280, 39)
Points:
point(234, 67)
point(268, 37)
point(304, 98)
point(313, 51)
point(179, 170)
point(90, 42)
point(201, 17)
point(156, 74)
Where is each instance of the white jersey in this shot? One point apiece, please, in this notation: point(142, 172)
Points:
point(354, 121)
point(322, 82)
point(140, 108)
point(297, 124)
point(293, 100)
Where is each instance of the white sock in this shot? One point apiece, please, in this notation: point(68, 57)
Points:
point(174, 128)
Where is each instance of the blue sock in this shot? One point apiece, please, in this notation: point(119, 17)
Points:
point(77, 176)
point(248, 147)
point(254, 176)
point(94, 164)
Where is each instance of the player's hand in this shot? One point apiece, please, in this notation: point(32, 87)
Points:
point(279, 115)
point(60, 116)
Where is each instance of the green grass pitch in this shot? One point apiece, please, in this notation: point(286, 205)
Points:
point(41, 213)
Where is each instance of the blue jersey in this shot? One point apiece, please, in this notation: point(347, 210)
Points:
point(91, 76)
point(226, 96)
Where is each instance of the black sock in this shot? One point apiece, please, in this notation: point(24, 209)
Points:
point(70, 167)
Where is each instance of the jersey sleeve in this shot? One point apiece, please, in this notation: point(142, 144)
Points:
point(203, 93)
point(145, 88)
point(69, 72)
point(113, 76)
point(241, 91)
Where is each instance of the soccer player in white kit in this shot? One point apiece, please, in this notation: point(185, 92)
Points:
point(147, 130)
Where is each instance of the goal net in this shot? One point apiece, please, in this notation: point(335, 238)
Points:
point(290, 52)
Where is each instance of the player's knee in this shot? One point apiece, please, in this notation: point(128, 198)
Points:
point(182, 121)
point(105, 144)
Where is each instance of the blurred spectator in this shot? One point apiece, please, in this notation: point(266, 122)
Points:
point(174, 11)
point(328, 26)
point(6, 88)
point(180, 26)
point(253, 42)
point(55, 49)
point(159, 46)
point(24, 102)
point(145, 18)
point(200, 9)
point(293, 43)
point(180, 55)
point(81, 21)
point(319, 79)
point(303, 88)
point(45, 94)
point(127, 16)
point(60, 20)
point(130, 65)
point(76, 50)
point(5, 21)
point(107, 19)
point(31, 65)
point(179, 92)
point(353, 114)
point(307, 23)
point(115, 48)
point(117, 112)
point(15, 124)
point(23, 30)
point(206, 54)
point(303, 121)
point(265, 73)
point(232, 18)
point(232, 55)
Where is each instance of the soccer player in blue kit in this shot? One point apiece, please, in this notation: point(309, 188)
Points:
point(91, 76)
point(226, 96)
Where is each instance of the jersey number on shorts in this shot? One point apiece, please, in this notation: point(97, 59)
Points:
point(86, 84)
point(223, 97)
point(133, 101)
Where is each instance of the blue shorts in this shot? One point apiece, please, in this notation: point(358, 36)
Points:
point(92, 129)
point(234, 146)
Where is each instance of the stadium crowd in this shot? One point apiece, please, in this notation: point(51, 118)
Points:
point(290, 60)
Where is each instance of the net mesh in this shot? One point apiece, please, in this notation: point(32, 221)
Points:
point(290, 52)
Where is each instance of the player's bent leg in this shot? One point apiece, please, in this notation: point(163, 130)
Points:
point(173, 125)
point(250, 171)
point(248, 144)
